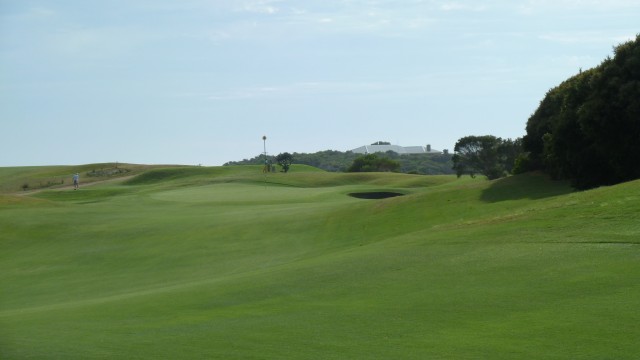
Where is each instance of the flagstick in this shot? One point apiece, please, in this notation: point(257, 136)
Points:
point(264, 169)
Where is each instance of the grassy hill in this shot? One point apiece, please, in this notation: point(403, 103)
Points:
point(30, 178)
point(225, 262)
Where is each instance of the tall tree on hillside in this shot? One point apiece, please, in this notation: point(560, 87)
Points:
point(587, 128)
point(284, 160)
point(477, 155)
point(488, 155)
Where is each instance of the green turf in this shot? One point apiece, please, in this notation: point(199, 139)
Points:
point(30, 178)
point(229, 263)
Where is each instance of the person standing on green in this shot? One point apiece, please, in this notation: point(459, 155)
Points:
point(76, 181)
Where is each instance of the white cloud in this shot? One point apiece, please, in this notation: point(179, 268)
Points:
point(261, 6)
point(299, 89)
point(587, 37)
point(537, 6)
point(78, 41)
point(457, 6)
point(94, 42)
point(41, 12)
point(297, 19)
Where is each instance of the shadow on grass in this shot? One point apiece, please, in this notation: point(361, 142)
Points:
point(525, 186)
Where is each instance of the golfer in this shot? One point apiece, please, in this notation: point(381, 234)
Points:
point(76, 181)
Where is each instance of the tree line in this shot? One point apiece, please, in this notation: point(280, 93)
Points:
point(585, 130)
point(338, 161)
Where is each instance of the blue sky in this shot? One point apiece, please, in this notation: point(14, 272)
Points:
point(200, 82)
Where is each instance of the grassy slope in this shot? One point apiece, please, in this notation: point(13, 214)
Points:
point(12, 179)
point(218, 263)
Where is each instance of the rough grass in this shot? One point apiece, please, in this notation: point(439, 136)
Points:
point(29, 178)
point(225, 263)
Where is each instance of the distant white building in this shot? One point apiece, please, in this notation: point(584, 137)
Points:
point(370, 149)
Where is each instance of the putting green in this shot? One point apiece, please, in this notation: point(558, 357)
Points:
point(248, 193)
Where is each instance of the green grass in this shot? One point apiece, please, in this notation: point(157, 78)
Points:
point(30, 178)
point(227, 263)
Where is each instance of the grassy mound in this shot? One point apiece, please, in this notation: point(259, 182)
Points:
point(229, 263)
point(30, 178)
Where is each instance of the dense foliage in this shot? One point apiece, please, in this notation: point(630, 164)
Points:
point(338, 161)
point(284, 160)
point(373, 163)
point(487, 155)
point(425, 164)
point(587, 129)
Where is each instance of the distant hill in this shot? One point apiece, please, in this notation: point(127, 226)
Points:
point(338, 161)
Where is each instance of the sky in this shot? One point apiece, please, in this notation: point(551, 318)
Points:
point(202, 81)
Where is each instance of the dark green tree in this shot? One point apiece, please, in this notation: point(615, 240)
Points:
point(373, 163)
point(477, 155)
point(587, 128)
point(509, 151)
point(284, 160)
point(488, 155)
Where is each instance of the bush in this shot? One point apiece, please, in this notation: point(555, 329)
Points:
point(373, 163)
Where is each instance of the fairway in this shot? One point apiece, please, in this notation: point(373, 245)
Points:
point(227, 263)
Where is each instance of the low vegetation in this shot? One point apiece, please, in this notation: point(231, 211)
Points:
point(231, 263)
point(338, 161)
point(373, 163)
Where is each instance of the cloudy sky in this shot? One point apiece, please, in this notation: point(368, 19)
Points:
point(201, 81)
